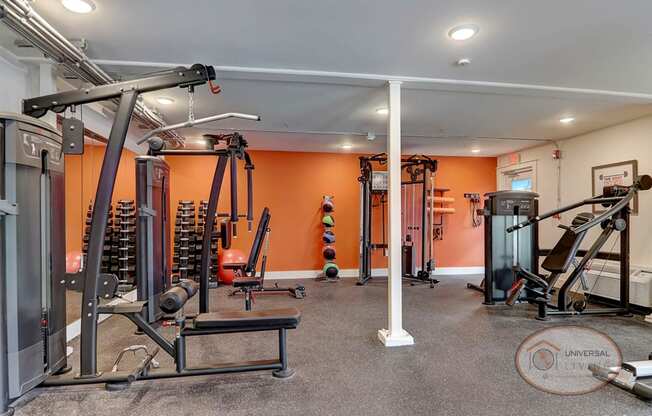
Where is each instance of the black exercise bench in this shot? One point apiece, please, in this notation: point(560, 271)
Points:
point(225, 322)
point(246, 282)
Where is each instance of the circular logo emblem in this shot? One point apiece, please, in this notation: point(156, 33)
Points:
point(557, 359)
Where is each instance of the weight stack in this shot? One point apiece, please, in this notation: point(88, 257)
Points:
point(201, 220)
point(125, 242)
point(183, 255)
point(107, 250)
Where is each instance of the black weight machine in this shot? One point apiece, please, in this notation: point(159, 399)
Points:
point(538, 289)
point(96, 286)
point(418, 227)
point(229, 148)
point(503, 251)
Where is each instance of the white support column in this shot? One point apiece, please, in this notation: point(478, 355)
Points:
point(394, 335)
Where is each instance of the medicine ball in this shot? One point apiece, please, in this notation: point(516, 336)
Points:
point(231, 255)
point(328, 237)
point(331, 270)
point(74, 261)
point(328, 221)
point(328, 252)
point(327, 204)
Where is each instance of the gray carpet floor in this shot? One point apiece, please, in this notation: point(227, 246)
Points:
point(462, 363)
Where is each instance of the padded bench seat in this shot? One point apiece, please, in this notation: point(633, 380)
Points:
point(246, 282)
point(234, 321)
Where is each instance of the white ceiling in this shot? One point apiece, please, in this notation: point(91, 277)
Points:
point(591, 44)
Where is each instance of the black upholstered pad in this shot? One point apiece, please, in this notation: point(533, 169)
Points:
point(244, 320)
point(234, 266)
point(246, 282)
point(561, 256)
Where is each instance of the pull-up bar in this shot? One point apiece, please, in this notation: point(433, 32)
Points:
point(194, 122)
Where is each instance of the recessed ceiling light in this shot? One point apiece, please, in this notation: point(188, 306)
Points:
point(463, 32)
point(567, 120)
point(475, 150)
point(463, 62)
point(382, 111)
point(165, 100)
point(79, 6)
point(346, 146)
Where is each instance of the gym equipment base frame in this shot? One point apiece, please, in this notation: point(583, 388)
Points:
point(203, 324)
point(628, 377)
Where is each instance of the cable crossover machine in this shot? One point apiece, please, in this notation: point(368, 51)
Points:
point(99, 289)
point(423, 208)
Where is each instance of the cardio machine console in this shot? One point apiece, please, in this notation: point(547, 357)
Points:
point(512, 203)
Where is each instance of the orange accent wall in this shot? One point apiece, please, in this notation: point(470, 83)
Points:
point(82, 175)
point(292, 184)
point(463, 245)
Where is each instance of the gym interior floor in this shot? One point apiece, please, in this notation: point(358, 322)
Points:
point(462, 363)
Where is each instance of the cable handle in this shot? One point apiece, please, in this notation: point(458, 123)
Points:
point(214, 88)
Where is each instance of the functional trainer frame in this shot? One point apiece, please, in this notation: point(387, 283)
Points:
point(419, 170)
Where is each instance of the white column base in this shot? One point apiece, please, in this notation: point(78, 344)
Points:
point(395, 340)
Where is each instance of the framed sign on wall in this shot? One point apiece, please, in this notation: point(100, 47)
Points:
point(620, 173)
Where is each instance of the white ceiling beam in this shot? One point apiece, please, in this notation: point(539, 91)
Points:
point(409, 82)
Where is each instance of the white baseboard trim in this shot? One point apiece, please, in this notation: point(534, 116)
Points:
point(311, 274)
point(73, 329)
point(458, 271)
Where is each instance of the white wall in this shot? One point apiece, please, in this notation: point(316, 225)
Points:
point(14, 84)
point(632, 140)
point(19, 81)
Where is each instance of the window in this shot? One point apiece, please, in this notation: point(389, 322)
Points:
point(520, 177)
point(521, 184)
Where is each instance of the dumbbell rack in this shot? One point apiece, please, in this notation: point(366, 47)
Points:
point(106, 250)
point(125, 242)
point(185, 238)
point(201, 218)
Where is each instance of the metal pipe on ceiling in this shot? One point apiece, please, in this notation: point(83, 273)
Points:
point(24, 20)
point(410, 82)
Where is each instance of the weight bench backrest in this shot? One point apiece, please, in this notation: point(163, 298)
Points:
point(561, 256)
point(259, 239)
